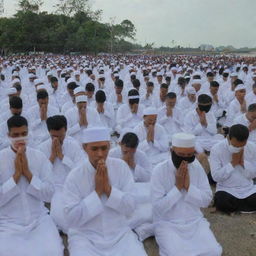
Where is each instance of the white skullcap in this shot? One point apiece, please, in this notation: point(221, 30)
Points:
point(38, 81)
point(31, 76)
point(11, 91)
point(233, 74)
point(159, 74)
point(15, 73)
point(150, 111)
point(196, 81)
point(191, 90)
point(79, 89)
point(96, 134)
point(183, 140)
point(71, 80)
point(41, 87)
point(16, 80)
point(240, 87)
point(101, 76)
point(116, 75)
point(253, 75)
point(76, 73)
point(81, 98)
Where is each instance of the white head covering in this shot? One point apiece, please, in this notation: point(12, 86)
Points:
point(81, 98)
point(233, 74)
point(11, 91)
point(15, 81)
point(191, 90)
point(79, 89)
point(240, 87)
point(41, 87)
point(38, 81)
point(96, 134)
point(183, 140)
point(150, 111)
point(196, 81)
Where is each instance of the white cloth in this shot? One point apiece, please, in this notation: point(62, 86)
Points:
point(237, 180)
point(24, 223)
point(100, 222)
point(179, 224)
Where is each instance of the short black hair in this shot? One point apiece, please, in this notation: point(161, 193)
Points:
point(16, 121)
point(130, 140)
point(100, 96)
point(18, 87)
point(90, 87)
point(119, 83)
point(53, 79)
point(42, 94)
point(239, 132)
point(150, 84)
point(204, 99)
point(214, 84)
point(237, 82)
point(252, 107)
point(133, 92)
point(209, 74)
point(171, 95)
point(164, 85)
point(56, 122)
point(15, 102)
point(72, 86)
point(181, 80)
point(136, 83)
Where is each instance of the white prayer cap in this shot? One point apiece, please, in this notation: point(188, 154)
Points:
point(79, 89)
point(81, 98)
point(11, 91)
point(101, 76)
point(15, 73)
point(253, 75)
point(233, 74)
point(116, 75)
point(31, 76)
point(183, 140)
point(196, 81)
point(76, 73)
point(240, 87)
point(71, 80)
point(191, 90)
point(96, 134)
point(159, 73)
point(226, 71)
point(15, 81)
point(174, 69)
point(41, 87)
point(150, 111)
point(38, 81)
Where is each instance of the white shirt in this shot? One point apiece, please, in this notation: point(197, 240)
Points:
point(237, 180)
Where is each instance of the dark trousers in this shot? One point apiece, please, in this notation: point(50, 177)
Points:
point(225, 202)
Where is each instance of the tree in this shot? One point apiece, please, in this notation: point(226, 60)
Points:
point(71, 7)
point(30, 5)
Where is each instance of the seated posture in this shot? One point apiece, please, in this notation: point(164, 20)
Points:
point(98, 201)
point(139, 164)
point(65, 154)
point(179, 189)
point(152, 136)
point(233, 164)
point(25, 184)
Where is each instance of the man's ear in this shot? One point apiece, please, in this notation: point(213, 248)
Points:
point(85, 147)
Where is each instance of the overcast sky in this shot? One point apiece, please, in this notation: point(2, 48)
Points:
point(187, 22)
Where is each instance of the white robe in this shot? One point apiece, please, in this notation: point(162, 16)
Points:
point(73, 156)
point(237, 180)
point(25, 226)
point(206, 137)
point(159, 149)
point(98, 225)
point(180, 228)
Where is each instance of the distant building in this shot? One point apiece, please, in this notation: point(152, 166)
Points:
point(206, 47)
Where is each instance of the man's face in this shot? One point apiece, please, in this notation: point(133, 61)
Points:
point(77, 77)
point(55, 85)
point(16, 133)
point(150, 89)
point(81, 105)
point(251, 116)
point(59, 134)
point(184, 152)
point(192, 97)
point(170, 102)
point(159, 79)
point(210, 78)
point(118, 90)
point(214, 90)
point(240, 94)
point(16, 111)
point(97, 151)
point(197, 87)
point(150, 120)
point(236, 143)
point(126, 150)
point(43, 102)
point(163, 92)
point(90, 94)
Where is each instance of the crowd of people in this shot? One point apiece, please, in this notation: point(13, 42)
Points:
point(112, 150)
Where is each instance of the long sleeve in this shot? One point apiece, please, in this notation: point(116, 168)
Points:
point(8, 190)
point(41, 185)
